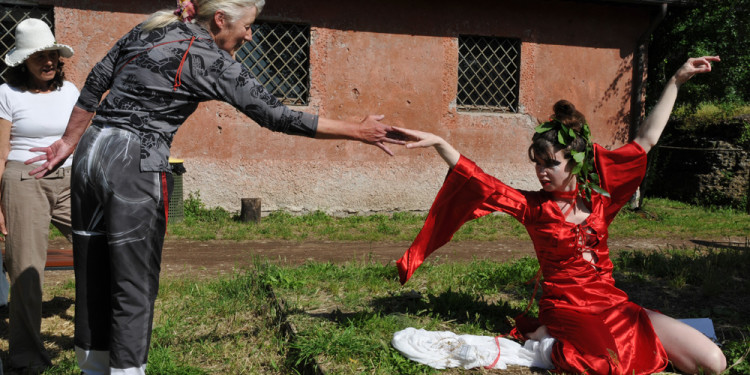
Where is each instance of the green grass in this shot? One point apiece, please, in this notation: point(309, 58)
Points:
point(221, 326)
point(345, 315)
point(203, 224)
point(659, 218)
point(663, 218)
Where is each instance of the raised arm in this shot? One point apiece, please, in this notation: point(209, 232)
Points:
point(424, 139)
point(651, 129)
point(56, 154)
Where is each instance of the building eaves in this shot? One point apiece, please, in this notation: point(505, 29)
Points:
point(648, 2)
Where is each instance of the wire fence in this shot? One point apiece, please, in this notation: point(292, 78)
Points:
point(279, 57)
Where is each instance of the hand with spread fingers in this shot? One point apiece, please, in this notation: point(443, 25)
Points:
point(53, 156)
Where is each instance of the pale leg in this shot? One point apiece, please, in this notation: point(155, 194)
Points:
point(539, 334)
point(687, 348)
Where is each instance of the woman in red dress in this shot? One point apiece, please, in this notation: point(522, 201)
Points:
point(597, 328)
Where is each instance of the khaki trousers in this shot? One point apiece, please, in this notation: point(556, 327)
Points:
point(29, 206)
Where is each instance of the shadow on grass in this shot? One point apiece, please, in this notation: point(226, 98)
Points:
point(456, 307)
point(57, 306)
point(732, 245)
point(709, 281)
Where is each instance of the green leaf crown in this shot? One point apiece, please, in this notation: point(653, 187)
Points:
point(584, 170)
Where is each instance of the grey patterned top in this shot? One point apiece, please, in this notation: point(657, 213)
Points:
point(151, 96)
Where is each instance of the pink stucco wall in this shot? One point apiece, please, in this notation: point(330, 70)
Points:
point(399, 59)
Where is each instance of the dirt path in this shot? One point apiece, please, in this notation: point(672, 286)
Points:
point(209, 258)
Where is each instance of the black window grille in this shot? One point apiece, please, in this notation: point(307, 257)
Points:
point(488, 73)
point(12, 14)
point(279, 57)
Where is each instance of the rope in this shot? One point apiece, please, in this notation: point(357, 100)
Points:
point(497, 342)
point(536, 287)
point(178, 76)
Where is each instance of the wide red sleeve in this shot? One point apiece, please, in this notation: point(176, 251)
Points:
point(467, 193)
point(620, 172)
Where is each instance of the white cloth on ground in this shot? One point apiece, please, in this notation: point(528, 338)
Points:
point(443, 349)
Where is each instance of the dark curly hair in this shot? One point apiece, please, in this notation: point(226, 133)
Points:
point(544, 145)
point(18, 77)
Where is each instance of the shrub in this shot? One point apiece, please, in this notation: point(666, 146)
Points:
point(195, 209)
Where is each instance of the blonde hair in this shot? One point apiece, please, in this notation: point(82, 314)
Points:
point(206, 9)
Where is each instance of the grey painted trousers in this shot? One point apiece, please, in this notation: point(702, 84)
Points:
point(119, 222)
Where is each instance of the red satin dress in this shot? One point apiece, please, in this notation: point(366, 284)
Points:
point(598, 329)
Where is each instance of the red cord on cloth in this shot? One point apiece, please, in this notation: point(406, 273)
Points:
point(569, 197)
point(150, 48)
point(566, 195)
point(497, 341)
point(178, 76)
point(536, 279)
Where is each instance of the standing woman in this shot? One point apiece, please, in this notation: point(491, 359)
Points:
point(34, 107)
point(156, 76)
point(597, 329)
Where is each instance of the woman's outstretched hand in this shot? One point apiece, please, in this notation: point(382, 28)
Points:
point(417, 138)
point(55, 155)
point(372, 131)
point(420, 139)
point(694, 66)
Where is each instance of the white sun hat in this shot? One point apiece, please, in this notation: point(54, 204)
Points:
point(33, 35)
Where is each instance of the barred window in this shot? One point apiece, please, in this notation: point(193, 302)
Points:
point(12, 14)
point(488, 73)
point(279, 57)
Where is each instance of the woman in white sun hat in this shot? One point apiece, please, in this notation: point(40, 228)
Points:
point(35, 104)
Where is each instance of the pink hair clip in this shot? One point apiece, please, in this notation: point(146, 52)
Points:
point(185, 10)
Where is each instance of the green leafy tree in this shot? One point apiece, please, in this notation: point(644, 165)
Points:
point(716, 27)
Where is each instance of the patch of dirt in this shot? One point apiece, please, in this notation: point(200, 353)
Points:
point(193, 257)
point(209, 258)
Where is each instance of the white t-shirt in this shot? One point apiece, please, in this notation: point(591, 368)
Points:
point(38, 119)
